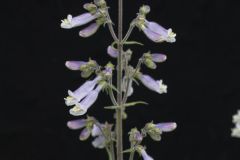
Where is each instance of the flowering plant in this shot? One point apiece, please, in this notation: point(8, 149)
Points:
point(106, 134)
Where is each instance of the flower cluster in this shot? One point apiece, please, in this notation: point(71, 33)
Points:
point(154, 131)
point(236, 121)
point(100, 78)
point(91, 127)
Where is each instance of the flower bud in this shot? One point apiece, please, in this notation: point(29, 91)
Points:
point(100, 3)
point(92, 8)
point(85, 134)
point(145, 9)
point(150, 64)
point(153, 131)
point(135, 137)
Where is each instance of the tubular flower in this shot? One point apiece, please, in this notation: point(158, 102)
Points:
point(113, 52)
point(99, 141)
point(75, 65)
point(145, 156)
point(90, 30)
point(77, 124)
point(158, 58)
point(96, 131)
point(167, 127)
point(236, 130)
point(82, 107)
point(154, 85)
point(76, 96)
point(71, 22)
point(141, 150)
point(85, 134)
point(157, 33)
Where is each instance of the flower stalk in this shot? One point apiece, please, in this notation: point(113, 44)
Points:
point(119, 143)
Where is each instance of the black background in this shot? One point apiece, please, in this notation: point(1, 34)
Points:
point(202, 74)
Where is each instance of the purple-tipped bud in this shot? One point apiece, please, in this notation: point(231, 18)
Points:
point(85, 134)
point(71, 22)
point(81, 92)
point(154, 85)
point(89, 31)
point(157, 33)
point(158, 58)
point(166, 127)
point(113, 52)
point(74, 65)
point(82, 107)
point(76, 124)
point(99, 142)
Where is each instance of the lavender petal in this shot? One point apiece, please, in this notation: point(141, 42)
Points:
point(157, 57)
point(167, 127)
point(76, 124)
point(74, 65)
point(89, 31)
point(112, 52)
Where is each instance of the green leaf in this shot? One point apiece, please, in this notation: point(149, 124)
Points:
point(135, 103)
point(112, 107)
point(126, 105)
point(133, 42)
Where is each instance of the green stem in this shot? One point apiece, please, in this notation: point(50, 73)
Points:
point(128, 33)
point(112, 97)
point(131, 155)
point(119, 131)
point(110, 26)
point(109, 153)
point(131, 77)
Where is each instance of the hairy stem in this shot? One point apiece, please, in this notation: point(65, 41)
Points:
point(119, 131)
point(110, 27)
point(131, 156)
point(112, 97)
point(109, 153)
point(131, 77)
point(128, 33)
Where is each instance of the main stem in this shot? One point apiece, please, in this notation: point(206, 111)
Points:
point(119, 143)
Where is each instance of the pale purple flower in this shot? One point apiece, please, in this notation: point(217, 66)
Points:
point(85, 134)
point(99, 142)
point(157, 33)
point(113, 52)
point(90, 30)
point(154, 85)
point(82, 107)
point(158, 58)
point(167, 127)
point(96, 131)
point(76, 96)
point(74, 65)
point(71, 22)
point(145, 156)
point(77, 124)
